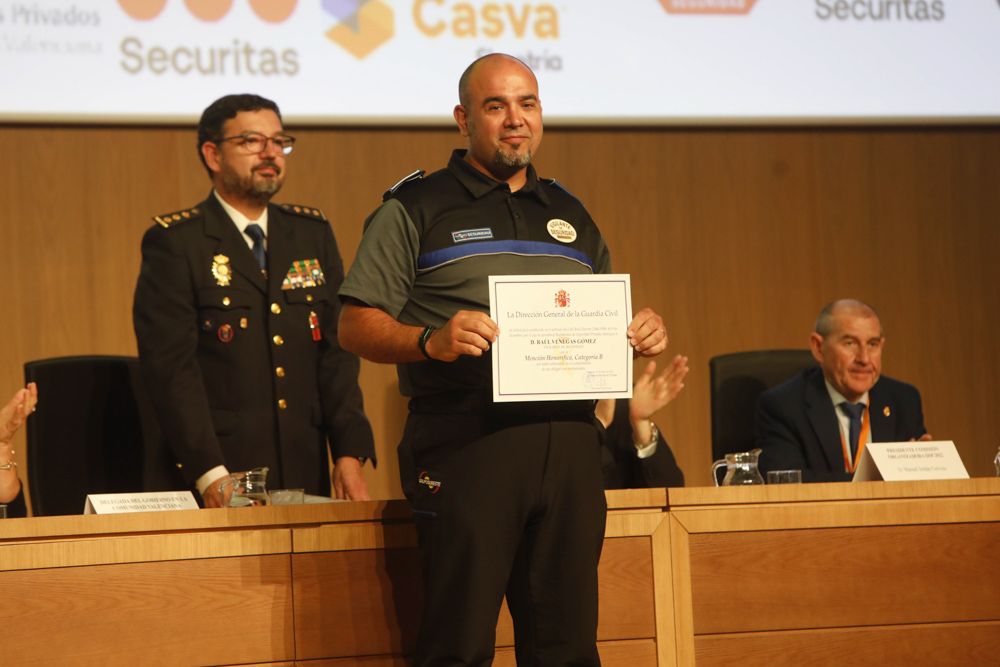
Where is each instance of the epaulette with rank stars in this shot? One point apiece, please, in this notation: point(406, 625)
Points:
point(168, 219)
point(412, 176)
point(304, 211)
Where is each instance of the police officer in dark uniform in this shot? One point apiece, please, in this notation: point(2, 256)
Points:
point(508, 497)
point(235, 315)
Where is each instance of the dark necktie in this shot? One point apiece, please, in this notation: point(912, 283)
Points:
point(257, 234)
point(854, 412)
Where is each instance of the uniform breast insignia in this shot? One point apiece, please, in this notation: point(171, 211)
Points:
point(304, 211)
point(303, 273)
point(170, 219)
point(221, 270)
point(561, 230)
point(424, 479)
point(317, 334)
point(412, 176)
point(225, 333)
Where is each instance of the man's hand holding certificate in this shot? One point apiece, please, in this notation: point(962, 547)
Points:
point(566, 337)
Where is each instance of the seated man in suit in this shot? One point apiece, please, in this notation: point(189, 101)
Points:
point(820, 420)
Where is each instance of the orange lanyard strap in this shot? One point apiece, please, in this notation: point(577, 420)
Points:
point(866, 427)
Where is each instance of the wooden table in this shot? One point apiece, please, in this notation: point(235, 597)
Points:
point(309, 584)
point(871, 573)
point(887, 573)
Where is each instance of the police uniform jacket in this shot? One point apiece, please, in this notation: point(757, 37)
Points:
point(244, 369)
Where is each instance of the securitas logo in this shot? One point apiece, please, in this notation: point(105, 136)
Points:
point(363, 25)
point(272, 11)
point(881, 10)
point(238, 57)
point(708, 6)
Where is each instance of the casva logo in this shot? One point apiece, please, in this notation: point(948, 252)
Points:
point(272, 11)
point(362, 25)
point(708, 6)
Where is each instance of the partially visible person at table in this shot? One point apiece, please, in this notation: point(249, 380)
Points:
point(820, 421)
point(12, 416)
point(634, 454)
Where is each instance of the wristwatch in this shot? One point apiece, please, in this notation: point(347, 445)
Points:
point(425, 335)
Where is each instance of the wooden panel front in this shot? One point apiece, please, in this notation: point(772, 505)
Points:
point(117, 549)
point(209, 611)
point(364, 602)
point(638, 653)
point(367, 602)
point(825, 578)
point(946, 645)
point(625, 593)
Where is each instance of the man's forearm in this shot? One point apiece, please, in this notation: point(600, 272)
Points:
point(374, 335)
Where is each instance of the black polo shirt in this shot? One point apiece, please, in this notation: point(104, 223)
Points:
point(429, 249)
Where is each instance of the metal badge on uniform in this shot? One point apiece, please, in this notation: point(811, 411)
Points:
point(424, 479)
point(481, 234)
point(561, 230)
point(317, 335)
point(225, 333)
point(221, 271)
point(886, 411)
point(303, 273)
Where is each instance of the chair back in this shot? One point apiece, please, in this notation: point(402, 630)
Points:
point(737, 380)
point(93, 432)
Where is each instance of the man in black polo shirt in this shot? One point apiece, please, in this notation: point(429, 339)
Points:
point(508, 497)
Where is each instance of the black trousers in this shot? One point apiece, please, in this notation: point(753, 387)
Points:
point(506, 508)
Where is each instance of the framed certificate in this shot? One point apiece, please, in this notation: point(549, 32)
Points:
point(562, 337)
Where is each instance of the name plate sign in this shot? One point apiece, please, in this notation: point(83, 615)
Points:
point(147, 501)
point(904, 461)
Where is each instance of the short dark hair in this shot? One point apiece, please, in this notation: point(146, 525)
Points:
point(225, 108)
point(824, 322)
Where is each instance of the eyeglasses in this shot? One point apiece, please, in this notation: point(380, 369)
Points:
point(255, 142)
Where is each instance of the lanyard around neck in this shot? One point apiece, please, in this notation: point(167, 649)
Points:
point(850, 466)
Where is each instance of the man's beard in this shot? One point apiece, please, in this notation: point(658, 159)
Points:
point(258, 191)
point(510, 161)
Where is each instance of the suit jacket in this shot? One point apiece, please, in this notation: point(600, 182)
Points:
point(796, 424)
point(621, 467)
point(241, 371)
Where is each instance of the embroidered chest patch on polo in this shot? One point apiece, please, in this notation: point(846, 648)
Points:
point(480, 234)
point(561, 230)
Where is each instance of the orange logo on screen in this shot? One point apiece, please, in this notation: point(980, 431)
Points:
point(708, 6)
point(362, 25)
point(272, 11)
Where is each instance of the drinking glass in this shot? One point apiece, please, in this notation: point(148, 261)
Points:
point(784, 476)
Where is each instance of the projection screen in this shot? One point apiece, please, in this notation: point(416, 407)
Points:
point(598, 62)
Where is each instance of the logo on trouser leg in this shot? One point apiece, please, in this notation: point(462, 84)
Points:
point(425, 479)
